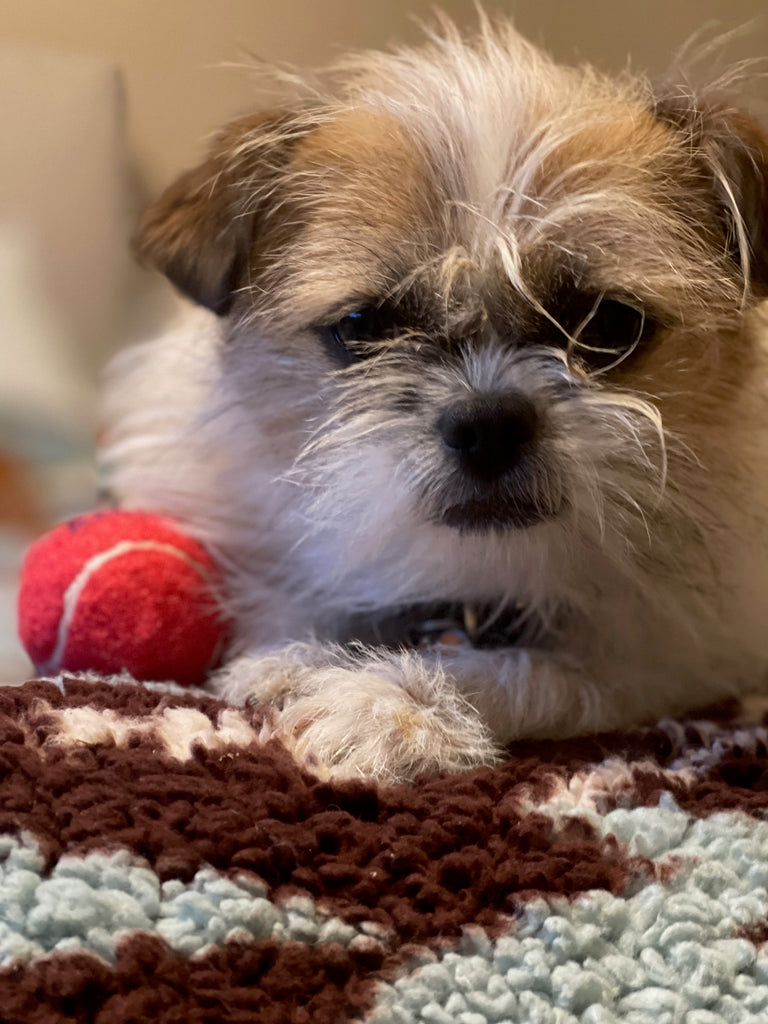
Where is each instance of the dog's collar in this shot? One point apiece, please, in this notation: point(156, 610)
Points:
point(442, 624)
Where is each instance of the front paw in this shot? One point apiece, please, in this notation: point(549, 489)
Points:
point(271, 678)
point(390, 717)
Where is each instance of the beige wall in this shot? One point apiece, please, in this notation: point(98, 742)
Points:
point(175, 53)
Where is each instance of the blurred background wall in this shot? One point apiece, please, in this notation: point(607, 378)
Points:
point(102, 102)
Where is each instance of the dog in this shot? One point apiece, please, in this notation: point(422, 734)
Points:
point(473, 411)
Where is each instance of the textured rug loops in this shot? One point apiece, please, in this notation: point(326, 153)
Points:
point(160, 860)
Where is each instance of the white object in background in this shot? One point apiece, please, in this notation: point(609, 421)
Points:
point(64, 181)
point(46, 402)
point(15, 667)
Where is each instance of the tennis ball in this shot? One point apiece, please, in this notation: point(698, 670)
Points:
point(118, 591)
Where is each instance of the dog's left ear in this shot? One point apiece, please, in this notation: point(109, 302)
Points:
point(729, 153)
point(201, 231)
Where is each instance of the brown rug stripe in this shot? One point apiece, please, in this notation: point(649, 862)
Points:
point(128, 698)
point(267, 982)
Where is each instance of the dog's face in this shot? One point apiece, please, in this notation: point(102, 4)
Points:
point(479, 296)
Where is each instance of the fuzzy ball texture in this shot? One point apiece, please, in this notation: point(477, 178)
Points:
point(118, 591)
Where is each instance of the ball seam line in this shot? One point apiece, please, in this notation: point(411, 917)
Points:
point(91, 566)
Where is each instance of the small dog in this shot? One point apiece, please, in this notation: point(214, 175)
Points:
point(475, 416)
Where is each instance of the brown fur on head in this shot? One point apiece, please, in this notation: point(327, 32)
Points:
point(222, 225)
point(729, 163)
point(219, 221)
point(201, 231)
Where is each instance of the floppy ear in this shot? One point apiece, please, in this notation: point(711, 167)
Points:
point(199, 233)
point(729, 151)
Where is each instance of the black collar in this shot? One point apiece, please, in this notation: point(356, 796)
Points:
point(442, 623)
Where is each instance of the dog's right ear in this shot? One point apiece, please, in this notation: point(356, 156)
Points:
point(201, 230)
point(728, 152)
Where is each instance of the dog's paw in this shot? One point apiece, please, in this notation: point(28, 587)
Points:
point(389, 718)
point(270, 678)
point(371, 721)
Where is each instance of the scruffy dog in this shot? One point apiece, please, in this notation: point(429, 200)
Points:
point(475, 418)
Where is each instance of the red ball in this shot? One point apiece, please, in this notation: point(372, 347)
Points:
point(121, 591)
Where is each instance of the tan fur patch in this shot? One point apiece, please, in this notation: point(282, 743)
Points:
point(374, 163)
point(611, 150)
point(362, 199)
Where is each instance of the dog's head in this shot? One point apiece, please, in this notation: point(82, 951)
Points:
point(493, 293)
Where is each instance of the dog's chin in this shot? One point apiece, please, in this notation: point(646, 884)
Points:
point(498, 514)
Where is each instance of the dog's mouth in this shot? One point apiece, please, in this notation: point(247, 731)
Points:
point(445, 625)
point(499, 513)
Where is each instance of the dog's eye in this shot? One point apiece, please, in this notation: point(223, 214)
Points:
point(356, 333)
point(356, 327)
point(610, 333)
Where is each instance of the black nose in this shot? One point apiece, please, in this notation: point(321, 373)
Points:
point(489, 433)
